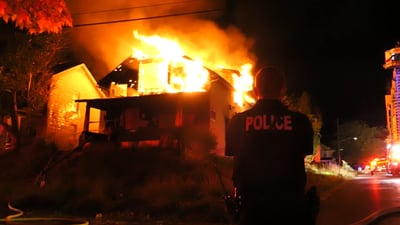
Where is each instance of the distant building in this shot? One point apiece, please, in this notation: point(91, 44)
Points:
point(392, 99)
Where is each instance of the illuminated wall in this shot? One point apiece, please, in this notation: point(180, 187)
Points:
point(65, 116)
point(392, 100)
point(396, 105)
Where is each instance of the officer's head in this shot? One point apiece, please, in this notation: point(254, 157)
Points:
point(270, 83)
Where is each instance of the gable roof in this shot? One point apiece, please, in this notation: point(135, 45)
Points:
point(158, 102)
point(82, 67)
point(127, 70)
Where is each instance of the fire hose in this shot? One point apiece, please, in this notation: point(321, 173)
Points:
point(56, 159)
point(16, 218)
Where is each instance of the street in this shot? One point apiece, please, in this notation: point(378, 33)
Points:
point(358, 198)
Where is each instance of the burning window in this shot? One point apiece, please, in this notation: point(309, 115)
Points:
point(158, 75)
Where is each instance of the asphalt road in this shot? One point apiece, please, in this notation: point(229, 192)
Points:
point(358, 198)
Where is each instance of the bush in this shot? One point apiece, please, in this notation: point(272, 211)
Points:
point(135, 184)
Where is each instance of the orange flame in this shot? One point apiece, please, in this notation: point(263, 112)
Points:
point(165, 68)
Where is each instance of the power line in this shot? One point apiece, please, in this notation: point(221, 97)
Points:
point(135, 7)
point(150, 18)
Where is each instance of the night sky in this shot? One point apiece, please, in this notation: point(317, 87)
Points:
point(332, 49)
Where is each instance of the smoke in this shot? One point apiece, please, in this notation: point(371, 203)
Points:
point(102, 46)
point(205, 40)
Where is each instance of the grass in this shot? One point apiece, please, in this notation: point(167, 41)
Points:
point(145, 184)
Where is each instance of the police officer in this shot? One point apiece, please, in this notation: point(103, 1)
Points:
point(269, 143)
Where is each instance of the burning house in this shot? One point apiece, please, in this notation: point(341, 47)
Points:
point(166, 100)
point(153, 102)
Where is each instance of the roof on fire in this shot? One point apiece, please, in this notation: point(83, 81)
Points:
point(127, 71)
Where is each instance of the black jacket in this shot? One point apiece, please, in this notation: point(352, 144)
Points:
point(269, 143)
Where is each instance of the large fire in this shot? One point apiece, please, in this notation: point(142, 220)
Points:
point(164, 68)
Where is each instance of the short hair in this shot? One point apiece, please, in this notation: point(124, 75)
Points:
point(269, 82)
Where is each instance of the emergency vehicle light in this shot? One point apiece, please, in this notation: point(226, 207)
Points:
point(395, 152)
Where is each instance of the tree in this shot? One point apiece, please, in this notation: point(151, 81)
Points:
point(30, 53)
point(27, 64)
point(36, 16)
point(31, 47)
point(370, 141)
point(304, 105)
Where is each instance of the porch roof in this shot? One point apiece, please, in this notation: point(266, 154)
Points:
point(161, 102)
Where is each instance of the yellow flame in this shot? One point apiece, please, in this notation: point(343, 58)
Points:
point(171, 71)
point(160, 47)
point(243, 83)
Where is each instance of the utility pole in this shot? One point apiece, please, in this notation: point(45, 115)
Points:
point(338, 142)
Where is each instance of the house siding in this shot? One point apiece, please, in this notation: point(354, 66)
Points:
point(65, 117)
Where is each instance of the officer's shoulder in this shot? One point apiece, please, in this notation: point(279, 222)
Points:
point(237, 116)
